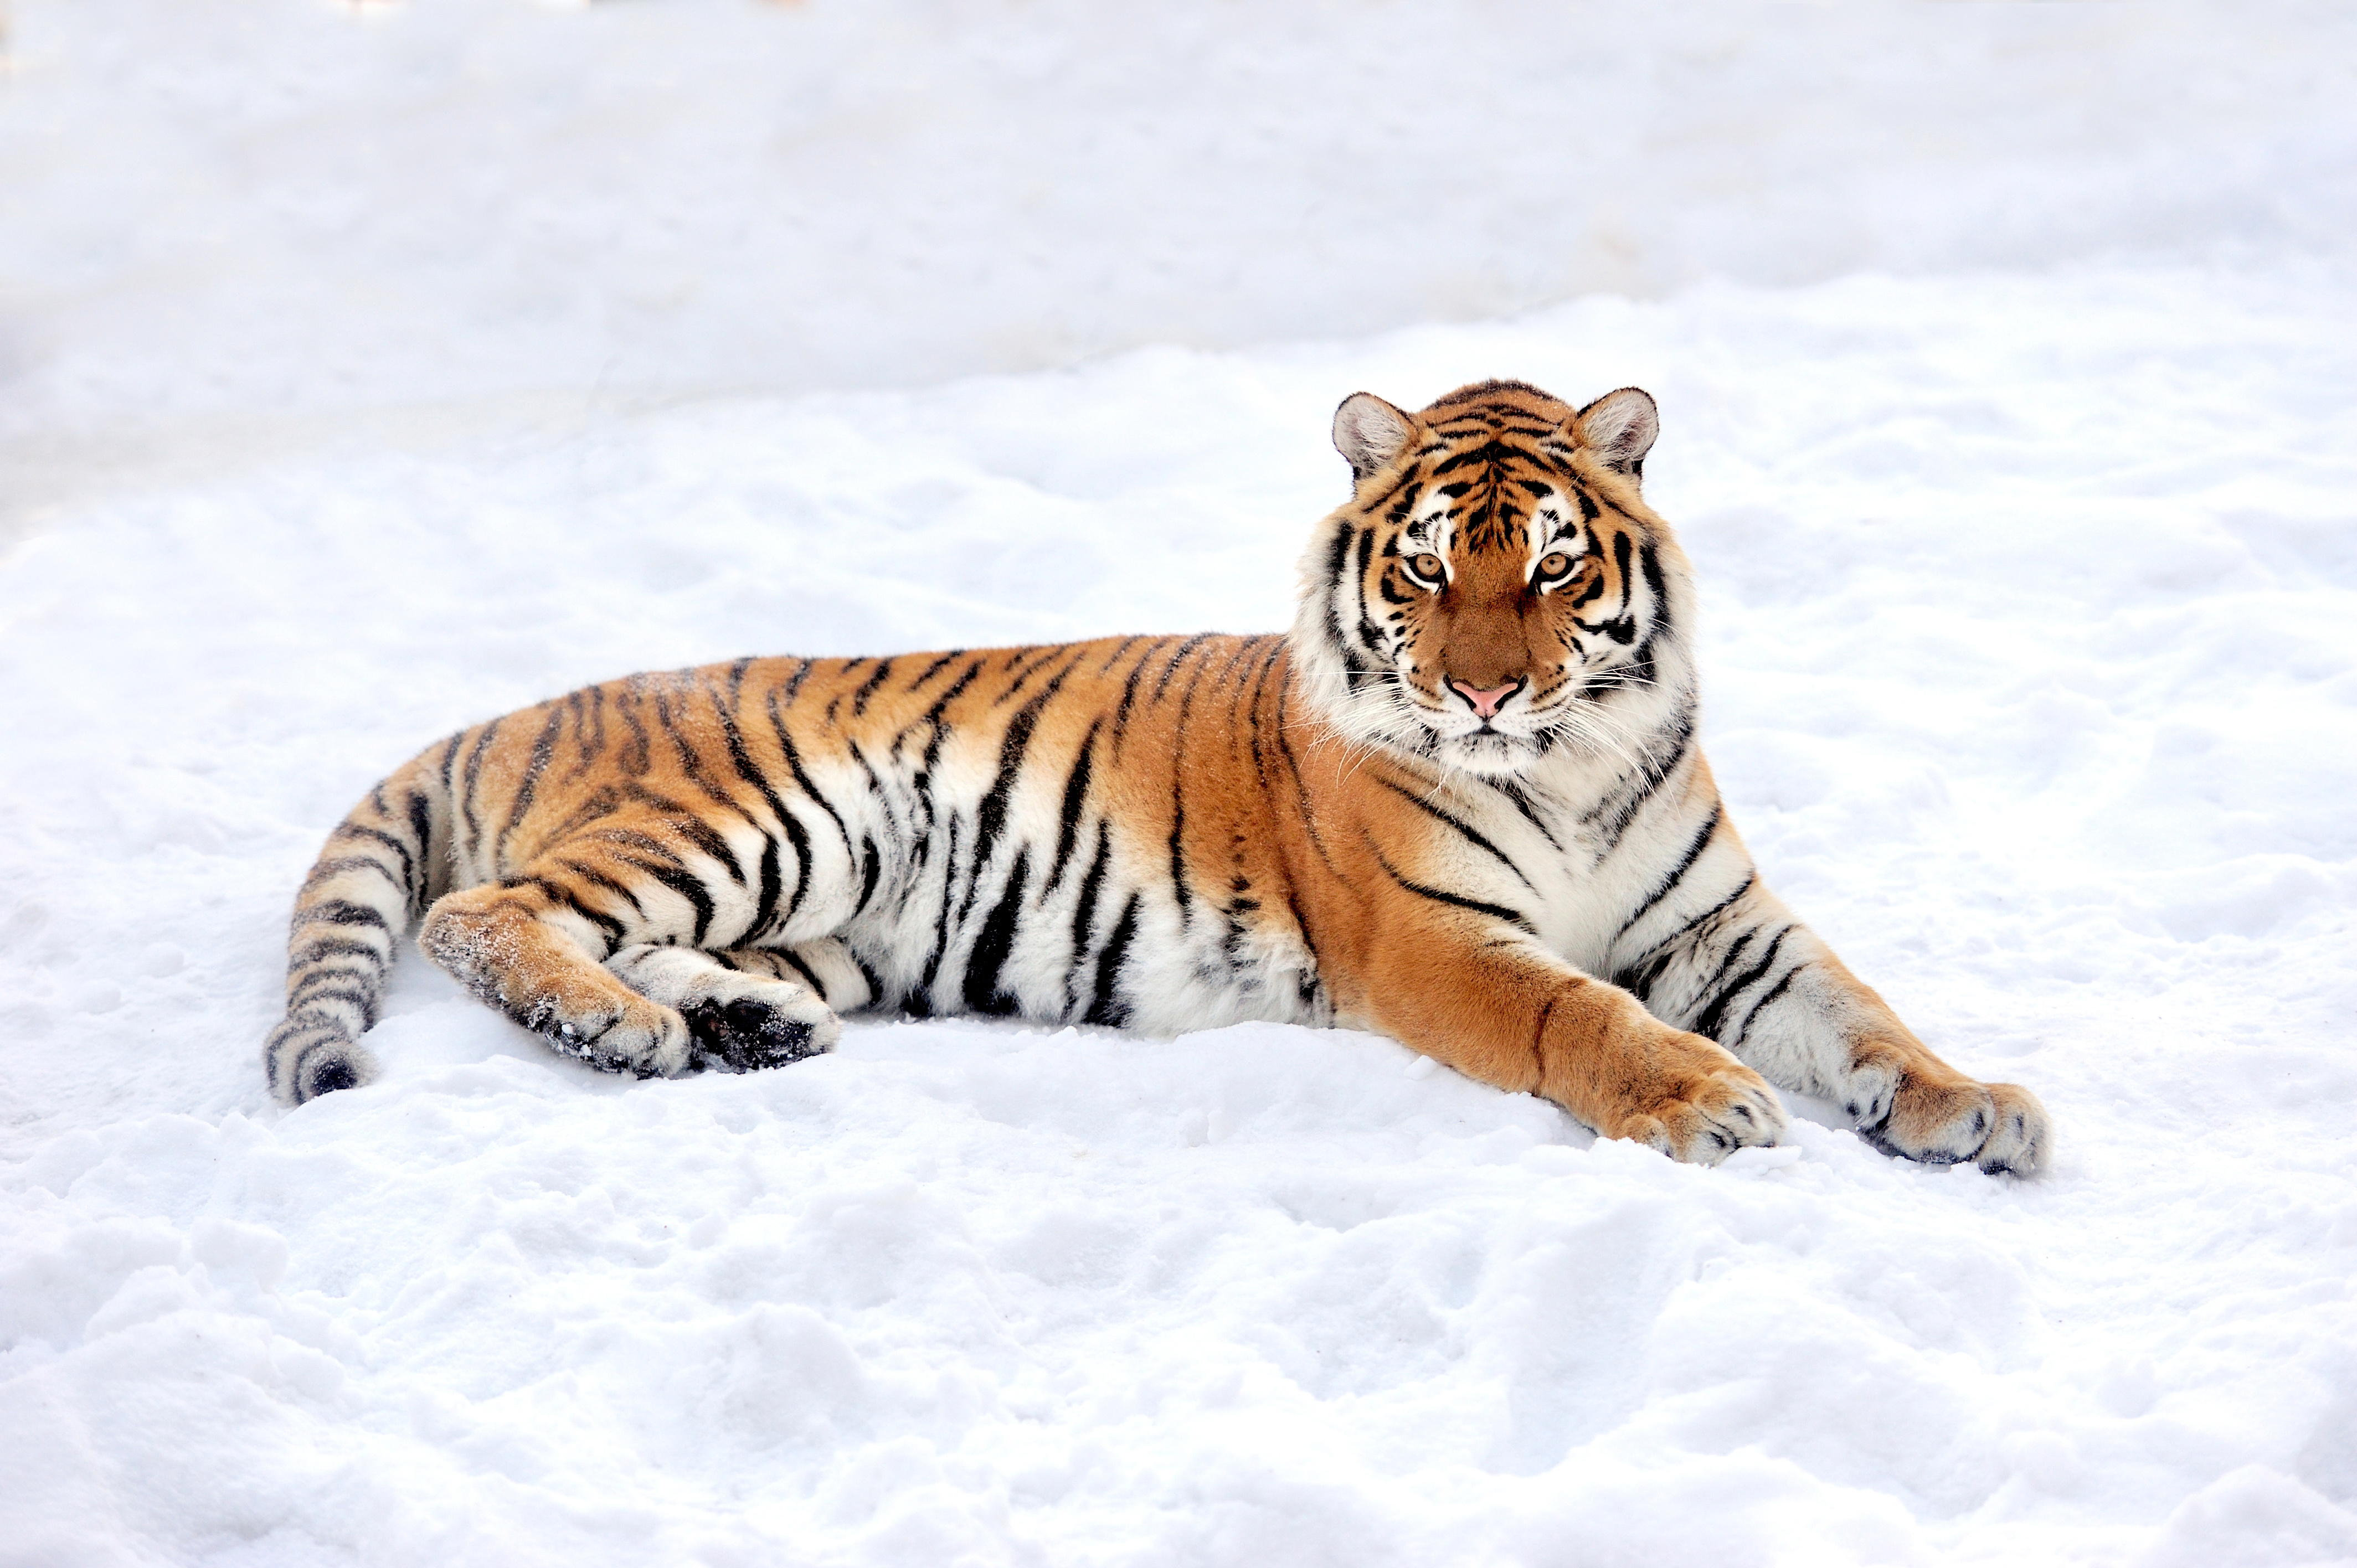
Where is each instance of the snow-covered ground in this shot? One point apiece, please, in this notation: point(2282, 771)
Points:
point(2028, 561)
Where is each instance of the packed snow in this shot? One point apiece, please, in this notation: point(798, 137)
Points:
point(2016, 469)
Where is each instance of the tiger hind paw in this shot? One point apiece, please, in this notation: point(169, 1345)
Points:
point(735, 1022)
point(749, 1031)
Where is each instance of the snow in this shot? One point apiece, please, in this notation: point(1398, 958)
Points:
point(2006, 376)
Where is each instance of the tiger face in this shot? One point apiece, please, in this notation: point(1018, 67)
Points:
point(1496, 590)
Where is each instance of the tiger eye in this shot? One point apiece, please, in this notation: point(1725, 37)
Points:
point(1426, 566)
point(1554, 566)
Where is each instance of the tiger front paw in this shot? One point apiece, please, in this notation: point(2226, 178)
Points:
point(1925, 1110)
point(1703, 1106)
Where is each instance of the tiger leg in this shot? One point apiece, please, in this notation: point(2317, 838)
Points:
point(1770, 990)
point(1515, 1015)
point(826, 966)
point(534, 950)
point(754, 1007)
point(1905, 1099)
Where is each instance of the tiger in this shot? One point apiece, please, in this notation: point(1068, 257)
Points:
point(1459, 802)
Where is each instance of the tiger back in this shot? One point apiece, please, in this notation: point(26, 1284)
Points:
point(1460, 802)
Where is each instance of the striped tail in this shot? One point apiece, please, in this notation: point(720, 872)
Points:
point(387, 861)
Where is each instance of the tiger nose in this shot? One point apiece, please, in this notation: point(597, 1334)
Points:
point(1485, 703)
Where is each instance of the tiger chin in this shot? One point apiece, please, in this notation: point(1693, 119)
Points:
point(1460, 802)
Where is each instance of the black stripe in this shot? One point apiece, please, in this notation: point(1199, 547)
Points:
point(321, 947)
point(1309, 816)
point(1186, 651)
point(557, 893)
point(933, 715)
point(764, 908)
point(684, 883)
point(937, 666)
point(703, 835)
point(1420, 803)
point(408, 865)
point(1716, 1014)
point(1337, 557)
point(596, 878)
point(1663, 952)
point(1726, 963)
point(1252, 703)
point(1107, 1006)
point(1762, 1004)
point(802, 778)
point(992, 947)
point(1076, 796)
point(1178, 782)
point(542, 749)
point(809, 975)
point(338, 983)
point(794, 682)
point(1085, 910)
point(1648, 778)
point(1522, 804)
point(638, 754)
point(922, 1002)
point(867, 688)
point(421, 823)
point(1686, 863)
point(1046, 656)
point(342, 864)
point(1370, 636)
point(990, 816)
point(1129, 694)
point(339, 912)
point(471, 777)
point(871, 866)
point(1442, 896)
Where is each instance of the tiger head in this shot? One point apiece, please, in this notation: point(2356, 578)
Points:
point(1496, 591)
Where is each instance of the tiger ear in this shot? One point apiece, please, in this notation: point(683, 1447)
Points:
point(1619, 428)
point(1369, 433)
